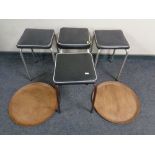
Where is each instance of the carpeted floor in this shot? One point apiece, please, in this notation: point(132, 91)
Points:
point(139, 74)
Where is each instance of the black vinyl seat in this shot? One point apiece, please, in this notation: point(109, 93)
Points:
point(73, 68)
point(36, 38)
point(74, 38)
point(111, 39)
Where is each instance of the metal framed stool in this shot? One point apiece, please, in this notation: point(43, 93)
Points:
point(74, 38)
point(36, 39)
point(73, 68)
point(111, 39)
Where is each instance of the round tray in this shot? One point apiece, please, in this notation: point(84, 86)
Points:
point(116, 102)
point(33, 104)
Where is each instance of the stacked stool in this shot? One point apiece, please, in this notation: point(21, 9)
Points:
point(74, 38)
point(74, 68)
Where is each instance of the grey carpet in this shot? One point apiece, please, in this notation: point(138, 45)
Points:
point(139, 74)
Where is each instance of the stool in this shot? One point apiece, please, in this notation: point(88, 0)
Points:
point(36, 39)
point(33, 104)
point(115, 102)
point(71, 68)
point(74, 38)
point(111, 39)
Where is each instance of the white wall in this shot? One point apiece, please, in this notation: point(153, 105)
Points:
point(139, 33)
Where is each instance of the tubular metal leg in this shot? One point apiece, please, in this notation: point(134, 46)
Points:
point(97, 55)
point(53, 55)
point(88, 50)
point(91, 49)
point(55, 37)
point(112, 56)
point(34, 55)
point(60, 51)
point(23, 60)
point(117, 78)
point(93, 95)
point(58, 98)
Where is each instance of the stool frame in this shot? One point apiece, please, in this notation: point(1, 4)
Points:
point(112, 57)
point(32, 51)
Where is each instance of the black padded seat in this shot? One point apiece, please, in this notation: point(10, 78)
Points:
point(74, 38)
point(74, 69)
point(111, 39)
point(36, 38)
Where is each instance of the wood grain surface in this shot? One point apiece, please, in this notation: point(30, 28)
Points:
point(33, 104)
point(116, 102)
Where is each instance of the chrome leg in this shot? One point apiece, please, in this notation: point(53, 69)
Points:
point(91, 48)
point(60, 51)
point(34, 55)
point(97, 55)
point(56, 43)
point(112, 56)
point(23, 60)
point(53, 55)
point(117, 78)
point(88, 50)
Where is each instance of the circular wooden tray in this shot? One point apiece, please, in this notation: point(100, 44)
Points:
point(116, 102)
point(33, 104)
